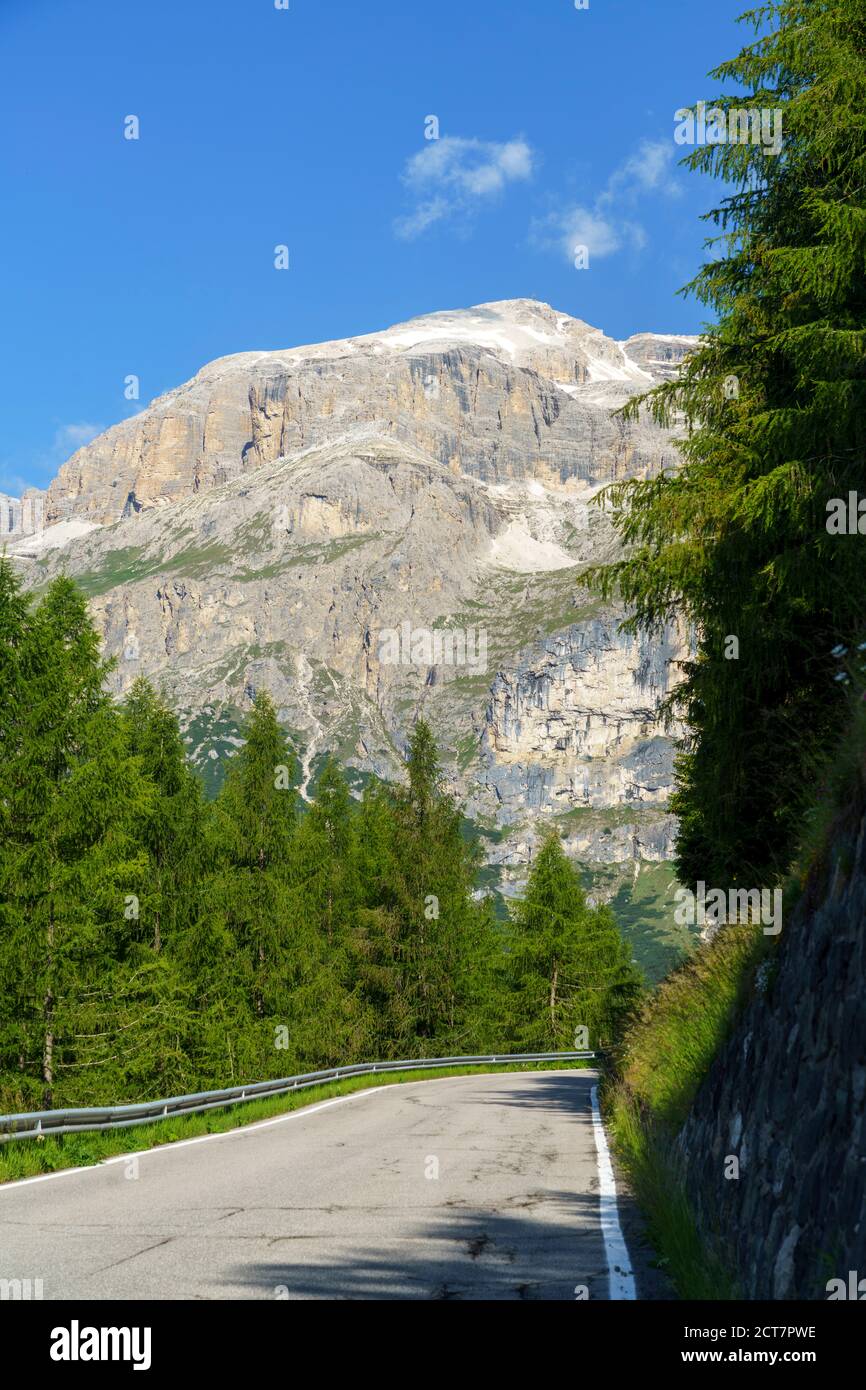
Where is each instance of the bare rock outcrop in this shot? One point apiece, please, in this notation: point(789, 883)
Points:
point(316, 519)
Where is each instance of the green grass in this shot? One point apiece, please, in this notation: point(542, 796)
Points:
point(520, 611)
point(255, 534)
point(695, 1271)
point(129, 565)
point(319, 552)
point(589, 818)
point(123, 566)
point(27, 1158)
point(670, 1047)
point(644, 909)
point(467, 749)
point(206, 557)
point(662, 1062)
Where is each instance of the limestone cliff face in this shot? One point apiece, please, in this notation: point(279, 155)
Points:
point(309, 520)
point(584, 707)
point(497, 393)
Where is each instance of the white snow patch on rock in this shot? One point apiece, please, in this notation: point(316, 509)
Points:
point(53, 537)
point(516, 549)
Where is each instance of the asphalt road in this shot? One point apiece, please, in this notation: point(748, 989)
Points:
point(474, 1187)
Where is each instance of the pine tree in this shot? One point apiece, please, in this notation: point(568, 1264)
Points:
point(218, 1043)
point(14, 624)
point(333, 1021)
point(254, 894)
point(569, 969)
point(378, 967)
point(736, 544)
point(172, 832)
point(430, 945)
point(14, 621)
point(331, 882)
point(70, 863)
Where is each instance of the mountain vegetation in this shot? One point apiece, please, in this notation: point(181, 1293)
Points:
point(155, 942)
point(743, 543)
point(755, 545)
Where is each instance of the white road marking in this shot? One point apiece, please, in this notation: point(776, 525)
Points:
point(173, 1144)
point(620, 1277)
point(621, 1283)
point(201, 1139)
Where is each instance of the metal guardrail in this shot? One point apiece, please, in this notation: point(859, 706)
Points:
point(35, 1124)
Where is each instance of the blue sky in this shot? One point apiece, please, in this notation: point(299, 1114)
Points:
point(305, 127)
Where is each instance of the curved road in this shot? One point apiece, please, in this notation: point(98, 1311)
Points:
point(473, 1187)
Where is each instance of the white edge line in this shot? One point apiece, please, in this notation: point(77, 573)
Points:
point(174, 1144)
point(620, 1277)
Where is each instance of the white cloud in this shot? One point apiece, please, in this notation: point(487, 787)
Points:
point(607, 224)
point(648, 170)
point(454, 175)
point(12, 482)
point(579, 226)
point(71, 437)
point(66, 440)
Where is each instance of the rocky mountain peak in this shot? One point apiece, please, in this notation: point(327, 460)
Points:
point(348, 523)
point(448, 382)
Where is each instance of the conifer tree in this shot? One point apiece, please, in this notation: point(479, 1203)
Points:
point(13, 628)
point(740, 543)
point(150, 944)
point(569, 969)
point(72, 796)
point(331, 881)
point(254, 893)
point(172, 832)
point(333, 1020)
point(378, 966)
point(218, 1044)
point(14, 622)
point(434, 944)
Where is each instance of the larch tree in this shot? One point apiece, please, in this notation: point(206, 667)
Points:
point(570, 973)
point(72, 796)
point(749, 545)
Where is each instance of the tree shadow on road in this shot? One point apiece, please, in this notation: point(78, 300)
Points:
point(541, 1244)
point(465, 1253)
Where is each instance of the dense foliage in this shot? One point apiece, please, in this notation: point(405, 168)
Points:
point(153, 943)
point(572, 982)
point(746, 540)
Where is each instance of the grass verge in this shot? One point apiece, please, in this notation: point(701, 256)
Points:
point(671, 1046)
point(27, 1158)
point(664, 1058)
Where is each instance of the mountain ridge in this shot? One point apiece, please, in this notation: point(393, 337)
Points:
point(519, 334)
point(269, 523)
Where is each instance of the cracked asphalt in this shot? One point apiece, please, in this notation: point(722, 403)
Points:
point(473, 1187)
